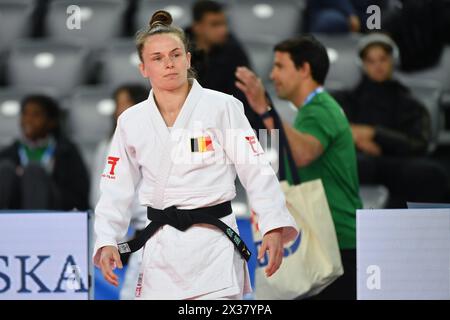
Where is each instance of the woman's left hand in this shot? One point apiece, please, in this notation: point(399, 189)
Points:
point(272, 242)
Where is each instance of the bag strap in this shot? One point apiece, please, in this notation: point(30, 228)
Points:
point(285, 150)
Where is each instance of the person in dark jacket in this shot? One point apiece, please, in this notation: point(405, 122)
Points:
point(216, 53)
point(391, 130)
point(420, 29)
point(42, 169)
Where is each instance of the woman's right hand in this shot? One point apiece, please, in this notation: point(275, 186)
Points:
point(109, 260)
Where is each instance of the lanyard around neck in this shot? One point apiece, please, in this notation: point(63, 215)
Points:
point(312, 95)
point(45, 159)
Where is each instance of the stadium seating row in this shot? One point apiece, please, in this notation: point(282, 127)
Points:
point(64, 65)
point(101, 20)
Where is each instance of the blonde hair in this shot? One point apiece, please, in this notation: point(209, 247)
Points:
point(161, 23)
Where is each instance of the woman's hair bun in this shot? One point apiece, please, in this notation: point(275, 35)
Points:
point(161, 17)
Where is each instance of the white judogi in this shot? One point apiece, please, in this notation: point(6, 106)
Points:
point(138, 220)
point(173, 172)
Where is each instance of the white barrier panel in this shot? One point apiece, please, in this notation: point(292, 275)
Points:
point(403, 254)
point(44, 255)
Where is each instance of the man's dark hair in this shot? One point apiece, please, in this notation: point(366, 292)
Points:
point(48, 105)
point(307, 49)
point(202, 7)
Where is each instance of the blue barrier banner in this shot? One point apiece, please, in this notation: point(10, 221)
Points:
point(44, 255)
point(403, 254)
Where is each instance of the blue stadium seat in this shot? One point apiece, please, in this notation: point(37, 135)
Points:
point(437, 77)
point(344, 72)
point(444, 135)
point(3, 57)
point(260, 53)
point(100, 21)
point(47, 63)
point(15, 21)
point(90, 112)
point(374, 196)
point(120, 64)
point(89, 120)
point(429, 93)
point(179, 9)
point(268, 20)
point(440, 73)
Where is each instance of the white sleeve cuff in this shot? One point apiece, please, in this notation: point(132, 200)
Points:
point(287, 222)
point(98, 245)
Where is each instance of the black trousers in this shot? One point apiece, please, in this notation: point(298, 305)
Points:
point(32, 189)
point(408, 179)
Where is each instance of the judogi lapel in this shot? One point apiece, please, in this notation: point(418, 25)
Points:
point(165, 162)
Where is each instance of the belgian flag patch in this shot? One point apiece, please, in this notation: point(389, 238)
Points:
point(201, 144)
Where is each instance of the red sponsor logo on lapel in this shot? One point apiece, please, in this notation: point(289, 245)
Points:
point(112, 161)
point(252, 141)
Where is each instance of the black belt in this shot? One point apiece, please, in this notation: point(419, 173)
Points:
point(183, 220)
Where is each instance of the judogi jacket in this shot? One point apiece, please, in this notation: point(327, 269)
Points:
point(192, 165)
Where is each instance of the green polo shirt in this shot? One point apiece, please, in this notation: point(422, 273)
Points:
point(324, 119)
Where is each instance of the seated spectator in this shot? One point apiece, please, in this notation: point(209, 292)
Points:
point(420, 29)
point(125, 97)
point(391, 130)
point(42, 169)
point(216, 53)
point(338, 16)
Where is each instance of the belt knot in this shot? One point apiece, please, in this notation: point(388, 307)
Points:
point(180, 220)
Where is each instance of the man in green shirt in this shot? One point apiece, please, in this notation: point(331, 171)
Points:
point(320, 140)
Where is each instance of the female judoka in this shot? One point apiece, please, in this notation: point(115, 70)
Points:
point(184, 146)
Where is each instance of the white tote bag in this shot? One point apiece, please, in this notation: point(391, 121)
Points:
point(312, 261)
